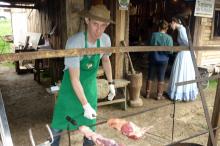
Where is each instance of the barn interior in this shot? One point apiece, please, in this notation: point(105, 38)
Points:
point(144, 17)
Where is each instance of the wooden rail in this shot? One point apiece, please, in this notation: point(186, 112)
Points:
point(90, 51)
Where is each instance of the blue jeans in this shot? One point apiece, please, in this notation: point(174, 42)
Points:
point(56, 142)
point(157, 70)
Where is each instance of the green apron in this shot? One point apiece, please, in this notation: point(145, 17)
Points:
point(68, 103)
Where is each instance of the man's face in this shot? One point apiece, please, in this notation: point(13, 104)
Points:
point(96, 28)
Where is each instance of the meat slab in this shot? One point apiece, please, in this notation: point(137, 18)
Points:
point(98, 139)
point(127, 128)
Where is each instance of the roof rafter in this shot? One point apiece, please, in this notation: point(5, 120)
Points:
point(28, 4)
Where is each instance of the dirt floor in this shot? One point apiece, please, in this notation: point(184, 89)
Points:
point(28, 105)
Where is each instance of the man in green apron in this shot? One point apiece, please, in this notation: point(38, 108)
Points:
point(78, 92)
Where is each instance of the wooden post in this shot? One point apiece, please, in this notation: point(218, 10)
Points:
point(127, 20)
point(197, 39)
point(119, 36)
point(216, 114)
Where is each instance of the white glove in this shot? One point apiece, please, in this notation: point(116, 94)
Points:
point(111, 94)
point(89, 112)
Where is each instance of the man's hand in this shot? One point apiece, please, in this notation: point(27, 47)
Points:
point(111, 94)
point(89, 112)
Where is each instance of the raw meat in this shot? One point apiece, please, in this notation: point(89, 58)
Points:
point(98, 139)
point(127, 128)
point(116, 123)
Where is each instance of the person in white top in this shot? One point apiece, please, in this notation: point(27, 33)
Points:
point(183, 69)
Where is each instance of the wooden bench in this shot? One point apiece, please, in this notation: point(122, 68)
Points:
point(24, 66)
point(121, 94)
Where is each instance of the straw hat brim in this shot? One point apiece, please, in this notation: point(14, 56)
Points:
point(86, 14)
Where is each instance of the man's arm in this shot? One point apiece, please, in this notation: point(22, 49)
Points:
point(77, 86)
point(89, 112)
point(106, 64)
point(108, 72)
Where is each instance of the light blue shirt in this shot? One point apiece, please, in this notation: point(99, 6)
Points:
point(78, 41)
point(182, 38)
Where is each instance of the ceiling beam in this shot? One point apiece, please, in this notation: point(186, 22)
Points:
point(26, 4)
point(17, 6)
point(20, 1)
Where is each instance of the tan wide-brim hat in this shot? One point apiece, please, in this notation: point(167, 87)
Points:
point(99, 13)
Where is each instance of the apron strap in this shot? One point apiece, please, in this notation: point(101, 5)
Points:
point(86, 41)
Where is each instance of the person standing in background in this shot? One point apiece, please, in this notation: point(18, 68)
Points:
point(158, 59)
point(183, 69)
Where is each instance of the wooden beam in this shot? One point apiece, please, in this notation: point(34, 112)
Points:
point(126, 64)
point(18, 6)
point(197, 39)
point(90, 51)
point(119, 36)
point(216, 114)
point(20, 1)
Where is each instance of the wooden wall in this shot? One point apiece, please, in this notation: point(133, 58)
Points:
point(51, 13)
point(204, 38)
point(74, 23)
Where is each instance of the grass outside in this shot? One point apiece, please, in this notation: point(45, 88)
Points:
point(5, 29)
point(213, 84)
point(8, 64)
point(5, 47)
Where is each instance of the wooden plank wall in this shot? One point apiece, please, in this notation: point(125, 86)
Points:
point(205, 39)
point(51, 13)
point(74, 22)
